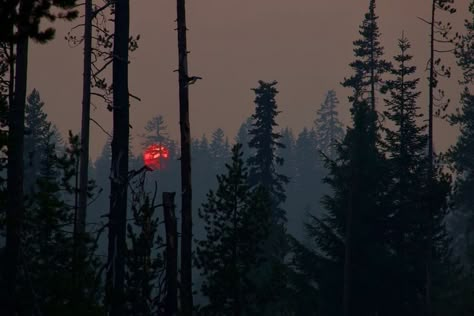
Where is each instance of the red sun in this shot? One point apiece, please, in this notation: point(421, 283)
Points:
point(154, 156)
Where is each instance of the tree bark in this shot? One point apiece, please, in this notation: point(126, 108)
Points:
point(15, 207)
point(428, 237)
point(81, 210)
point(186, 295)
point(347, 286)
point(171, 300)
point(80, 225)
point(119, 165)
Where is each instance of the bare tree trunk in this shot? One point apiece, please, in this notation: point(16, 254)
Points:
point(15, 207)
point(11, 65)
point(432, 84)
point(171, 301)
point(80, 225)
point(119, 167)
point(81, 210)
point(186, 295)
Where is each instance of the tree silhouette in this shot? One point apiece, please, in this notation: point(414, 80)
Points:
point(236, 219)
point(329, 129)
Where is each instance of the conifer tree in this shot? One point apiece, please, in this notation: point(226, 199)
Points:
point(219, 151)
point(329, 129)
point(288, 153)
point(243, 137)
point(406, 149)
point(46, 282)
point(25, 17)
point(236, 219)
point(263, 172)
point(438, 33)
point(461, 153)
point(40, 133)
point(263, 165)
point(351, 235)
point(156, 131)
point(307, 179)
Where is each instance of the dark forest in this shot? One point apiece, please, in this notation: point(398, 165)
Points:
point(368, 218)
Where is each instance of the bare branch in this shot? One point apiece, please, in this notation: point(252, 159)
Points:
point(134, 97)
point(103, 130)
point(99, 70)
point(427, 22)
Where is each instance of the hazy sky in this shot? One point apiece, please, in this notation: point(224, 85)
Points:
point(305, 45)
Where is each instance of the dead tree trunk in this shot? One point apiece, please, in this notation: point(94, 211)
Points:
point(15, 207)
point(171, 300)
point(119, 165)
point(428, 237)
point(80, 225)
point(186, 296)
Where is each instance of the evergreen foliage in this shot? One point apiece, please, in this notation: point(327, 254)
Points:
point(369, 65)
point(405, 146)
point(460, 155)
point(40, 133)
point(351, 236)
point(329, 129)
point(219, 150)
point(376, 241)
point(265, 141)
point(46, 282)
point(236, 220)
point(243, 137)
point(156, 132)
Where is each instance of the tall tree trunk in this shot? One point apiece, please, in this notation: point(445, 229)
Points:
point(347, 286)
point(80, 225)
point(81, 211)
point(186, 294)
point(15, 207)
point(171, 301)
point(236, 298)
point(11, 65)
point(428, 237)
point(119, 164)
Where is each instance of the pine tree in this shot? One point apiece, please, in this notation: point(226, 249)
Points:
point(350, 237)
point(46, 282)
point(461, 153)
point(369, 65)
point(263, 164)
point(329, 129)
point(288, 153)
point(406, 149)
point(243, 137)
point(263, 171)
point(219, 151)
point(156, 131)
point(39, 134)
point(307, 180)
point(236, 220)
point(25, 17)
